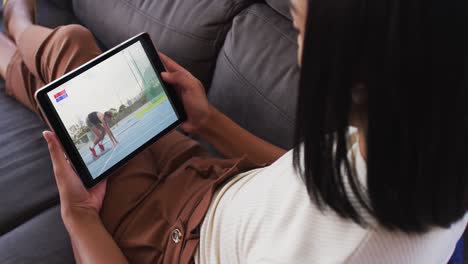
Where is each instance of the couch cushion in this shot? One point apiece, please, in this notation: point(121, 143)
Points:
point(55, 13)
point(31, 230)
point(190, 31)
point(65, 5)
point(256, 77)
point(50, 13)
point(27, 185)
point(43, 239)
point(281, 6)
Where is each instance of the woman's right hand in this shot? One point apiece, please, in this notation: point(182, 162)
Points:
point(192, 94)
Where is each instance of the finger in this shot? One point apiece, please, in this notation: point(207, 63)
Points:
point(65, 176)
point(100, 187)
point(170, 64)
point(178, 79)
point(168, 78)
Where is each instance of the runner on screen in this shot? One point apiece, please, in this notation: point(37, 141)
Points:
point(98, 123)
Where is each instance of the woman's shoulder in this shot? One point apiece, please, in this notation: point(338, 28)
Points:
point(274, 202)
point(272, 207)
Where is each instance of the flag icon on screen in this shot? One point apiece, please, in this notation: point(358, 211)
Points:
point(61, 96)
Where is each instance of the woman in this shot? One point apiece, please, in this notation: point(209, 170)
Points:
point(398, 194)
point(99, 123)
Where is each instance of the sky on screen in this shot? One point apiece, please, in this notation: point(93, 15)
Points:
point(106, 86)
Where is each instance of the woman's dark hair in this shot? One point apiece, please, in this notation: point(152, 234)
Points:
point(412, 56)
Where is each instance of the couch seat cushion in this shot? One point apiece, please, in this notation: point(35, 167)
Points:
point(42, 239)
point(31, 229)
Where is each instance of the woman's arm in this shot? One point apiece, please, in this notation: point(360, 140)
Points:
point(232, 140)
point(76, 253)
point(91, 241)
point(205, 121)
point(80, 211)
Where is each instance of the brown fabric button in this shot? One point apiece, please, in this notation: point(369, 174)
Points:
point(176, 235)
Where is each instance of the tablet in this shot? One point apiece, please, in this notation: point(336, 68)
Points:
point(110, 109)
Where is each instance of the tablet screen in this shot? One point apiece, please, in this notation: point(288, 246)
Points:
point(114, 108)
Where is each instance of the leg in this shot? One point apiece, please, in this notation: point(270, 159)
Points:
point(19, 15)
point(103, 132)
point(17, 75)
point(44, 55)
point(99, 135)
point(47, 55)
point(8, 49)
point(131, 184)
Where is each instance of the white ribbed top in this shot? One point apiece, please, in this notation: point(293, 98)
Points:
point(266, 216)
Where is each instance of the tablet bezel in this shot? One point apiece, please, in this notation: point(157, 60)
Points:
point(60, 130)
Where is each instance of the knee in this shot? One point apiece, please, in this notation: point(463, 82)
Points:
point(75, 34)
point(71, 46)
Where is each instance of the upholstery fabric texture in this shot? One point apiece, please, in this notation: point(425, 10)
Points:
point(256, 76)
point(190, 31)
point(26, 178)
point(42, 239)
point(281, 6)
point(31, 229)
point(62, 8)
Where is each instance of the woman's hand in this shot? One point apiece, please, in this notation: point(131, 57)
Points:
point(214, 127)
point(75, 200)
point(192, 94)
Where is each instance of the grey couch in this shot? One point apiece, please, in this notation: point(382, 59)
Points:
point(244, 51)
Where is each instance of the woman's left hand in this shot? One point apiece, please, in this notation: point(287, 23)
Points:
point(75, 200)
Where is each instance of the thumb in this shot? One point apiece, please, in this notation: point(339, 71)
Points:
point(59, 161)
point(65, 176)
